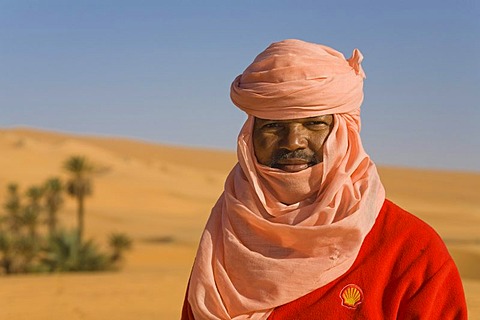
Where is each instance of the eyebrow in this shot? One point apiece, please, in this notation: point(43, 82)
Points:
point(323, 116)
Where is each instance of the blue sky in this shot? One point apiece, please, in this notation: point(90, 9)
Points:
point(161, 70)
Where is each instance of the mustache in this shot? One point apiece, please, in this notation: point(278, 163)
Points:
point(309, 157)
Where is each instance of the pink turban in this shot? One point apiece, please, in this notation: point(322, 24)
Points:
point(296, 79)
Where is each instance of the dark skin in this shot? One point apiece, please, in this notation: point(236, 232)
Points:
point(291, 145)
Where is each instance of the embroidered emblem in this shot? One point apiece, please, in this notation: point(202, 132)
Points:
point(351, 296)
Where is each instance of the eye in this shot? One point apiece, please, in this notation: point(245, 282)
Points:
point(316, 124)
point(272, 125)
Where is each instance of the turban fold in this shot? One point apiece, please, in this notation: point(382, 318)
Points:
point(296, 79)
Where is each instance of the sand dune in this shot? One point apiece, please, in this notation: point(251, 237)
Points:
point(161, 196)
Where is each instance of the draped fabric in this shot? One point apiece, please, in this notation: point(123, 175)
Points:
point(257, 253)
point(294, 79)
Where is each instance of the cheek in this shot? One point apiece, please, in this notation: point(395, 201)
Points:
point(264, 147)
point(319, 143)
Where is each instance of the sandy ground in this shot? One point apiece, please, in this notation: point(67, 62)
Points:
point(161, 196)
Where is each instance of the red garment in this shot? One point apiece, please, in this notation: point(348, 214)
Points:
point(403, 271)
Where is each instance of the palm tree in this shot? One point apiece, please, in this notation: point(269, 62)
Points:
point(79, 185)
point(32, 210)
point(26, 250)
point(119, 243)
point(53, 201)
point(65, 253)
point(13, 207)
point(6, 249)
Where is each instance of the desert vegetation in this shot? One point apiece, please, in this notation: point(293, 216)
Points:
point(31, 238)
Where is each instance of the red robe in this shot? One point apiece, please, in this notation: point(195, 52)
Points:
point(403, 271)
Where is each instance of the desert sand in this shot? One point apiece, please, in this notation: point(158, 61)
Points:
point(161, 197)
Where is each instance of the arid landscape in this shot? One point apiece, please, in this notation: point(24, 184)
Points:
point(161, 197)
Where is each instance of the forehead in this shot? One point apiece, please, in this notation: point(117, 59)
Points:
point(326, 118)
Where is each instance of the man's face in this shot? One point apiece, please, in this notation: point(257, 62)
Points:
point(291, 145)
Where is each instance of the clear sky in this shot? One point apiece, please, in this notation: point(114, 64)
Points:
point(161, 70)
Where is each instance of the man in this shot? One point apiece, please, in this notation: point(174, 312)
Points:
point(303, 229)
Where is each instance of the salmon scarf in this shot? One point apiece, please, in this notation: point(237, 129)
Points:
point(256, 252)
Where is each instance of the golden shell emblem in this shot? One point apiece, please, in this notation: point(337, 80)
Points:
point(351, 296)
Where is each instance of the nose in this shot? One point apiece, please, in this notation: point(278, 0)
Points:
point(294, 138)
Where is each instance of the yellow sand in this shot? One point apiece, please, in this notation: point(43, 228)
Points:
point(161, 196)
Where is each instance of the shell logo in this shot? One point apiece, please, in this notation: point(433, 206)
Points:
point(351, 296)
